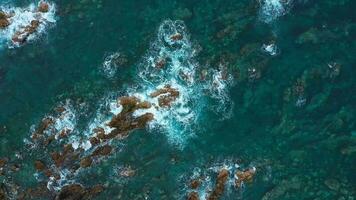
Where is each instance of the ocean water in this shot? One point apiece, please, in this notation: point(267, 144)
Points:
point(264, 85)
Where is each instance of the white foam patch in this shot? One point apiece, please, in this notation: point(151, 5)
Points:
point(110, 67)
point(272, 9)
point(271, 49)
point(21, 18)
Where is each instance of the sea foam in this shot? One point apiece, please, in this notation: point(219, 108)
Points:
point(272, 9)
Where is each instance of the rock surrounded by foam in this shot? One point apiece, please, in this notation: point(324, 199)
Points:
point(21, 25)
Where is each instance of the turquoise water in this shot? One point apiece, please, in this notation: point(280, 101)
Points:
point(289, 115)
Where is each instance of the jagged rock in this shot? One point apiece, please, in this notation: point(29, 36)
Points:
point(78, 192)
point(166, 96)
point(39, 165)
point(3, 195)
point(21, 36)
point(94, 141)
point(160, 63)
point(220, 185)
point(86, 162)
point(57, 158)
point(124, 121)
point(72, 192)
point(45, 123)
point(43, 7)
point(102, 151)
point(4, 22)
point(194, 184)
point(244, 176)
point(3, 162)
point(193, 196)
point(176, 37)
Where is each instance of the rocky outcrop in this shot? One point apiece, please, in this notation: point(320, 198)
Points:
point(245, 176)
point(220, 185)
point(166, 95)
point(4, 20)
point(78, 192)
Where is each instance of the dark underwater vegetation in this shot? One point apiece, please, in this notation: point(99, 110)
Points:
point(186, 99)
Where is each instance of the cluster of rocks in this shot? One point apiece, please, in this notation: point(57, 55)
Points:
point(166, 95)
point(22, 33)
point(240, 178)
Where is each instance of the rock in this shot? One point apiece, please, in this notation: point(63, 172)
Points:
point(220, 185)
point(127, 172)
point(72, 192)
point(3, 195)
point(244, 176)
point(194, 184)
point(3, 162)
point(102, 151)
point(160, 63)
point(57, 158)
point(43, 7)
point(20, 37)
point(94, 141)
point(4, 22)
point(86, 162)
point(332, 184)
point(93, 191)
point(78, 192)
point(166, 96)
point(193, 196)
point(176, 37)
point(39, 165)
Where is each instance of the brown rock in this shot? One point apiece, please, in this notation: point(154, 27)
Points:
point(57, 158)
point(102, 151)
point(220, 185)
point(166, 95)
point(4, 22)
point(72, 192)
point(160, 63)
point(94, 141)
point(39, 165)
point(43, 7)
point(193, 196)
point(97, 189)
point(176, 37)
point(86, 162)
point(244, 176)
point(3, 162)
point(195, 184)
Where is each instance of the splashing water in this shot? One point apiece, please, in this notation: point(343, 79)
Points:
point(273, 9)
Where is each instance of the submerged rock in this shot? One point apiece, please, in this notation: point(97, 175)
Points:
point(78, 192)
point(86, 162)
point(193, 196)
point(39, 165)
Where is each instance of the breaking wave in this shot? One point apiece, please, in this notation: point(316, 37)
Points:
point(272, 9)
